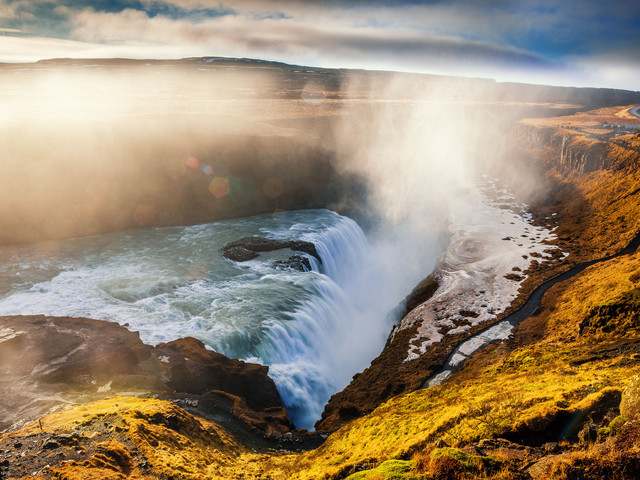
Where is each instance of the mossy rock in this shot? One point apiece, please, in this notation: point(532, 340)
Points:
point(614, 428)
point(469, 462)
point(390, 470)
point(630, 402)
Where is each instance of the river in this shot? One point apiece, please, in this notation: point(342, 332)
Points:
point(314, 329)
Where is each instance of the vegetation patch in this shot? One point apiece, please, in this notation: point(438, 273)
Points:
point(390, 470)
point(619, 316)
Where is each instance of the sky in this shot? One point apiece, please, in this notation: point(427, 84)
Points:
point(569, 42)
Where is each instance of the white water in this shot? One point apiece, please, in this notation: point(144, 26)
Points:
point(314, 329)
point(492, 236)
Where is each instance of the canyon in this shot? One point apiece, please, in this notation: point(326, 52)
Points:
point(553, 399)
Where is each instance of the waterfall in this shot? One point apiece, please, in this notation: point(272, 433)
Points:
point(314, 329)
point(316, 351)
point(342, 247)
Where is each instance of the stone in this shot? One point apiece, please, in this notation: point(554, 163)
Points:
point(53, 362)
point(295, 263)
point(196, 370)
point(630, 401)
point(248, 248)
point(239, 254)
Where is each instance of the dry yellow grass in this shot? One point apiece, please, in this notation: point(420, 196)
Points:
point(593, 117)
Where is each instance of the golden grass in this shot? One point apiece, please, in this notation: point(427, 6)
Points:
point(172, 442)
point(521, 389)
point(593, 117)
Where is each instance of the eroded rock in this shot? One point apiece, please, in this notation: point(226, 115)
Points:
point(48, 363)
point(248, 248)
point(630, 401)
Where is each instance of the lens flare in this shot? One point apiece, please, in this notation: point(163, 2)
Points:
point(197, 272)
point(313, 93)
point(220, 187)
point(193, 162)
point(242, 190)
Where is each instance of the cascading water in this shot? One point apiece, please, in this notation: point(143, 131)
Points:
point(314, 329)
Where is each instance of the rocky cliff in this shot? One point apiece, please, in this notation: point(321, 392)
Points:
point(571, 150)
point(51, 363)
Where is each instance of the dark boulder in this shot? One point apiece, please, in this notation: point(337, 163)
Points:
point(295, 263)
point(239, 254)
point(194, 369)
point(248, 248)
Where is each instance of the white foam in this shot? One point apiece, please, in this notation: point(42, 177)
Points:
point(491, 237)
point(314, 329)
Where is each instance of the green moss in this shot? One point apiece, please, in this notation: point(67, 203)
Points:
point(390, 470)
point(614, 428)
point(469, 462)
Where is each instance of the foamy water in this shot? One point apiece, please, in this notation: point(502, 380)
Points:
point(492, 237)
point(314, 329)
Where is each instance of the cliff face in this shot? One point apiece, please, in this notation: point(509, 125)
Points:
point(582, 158)
point(49, 363)
point(570, 150)
point(164, 173)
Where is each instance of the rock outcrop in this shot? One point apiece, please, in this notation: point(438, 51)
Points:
point(573, 152)
point(248, 248)
point(630, 402)
point(48, 363)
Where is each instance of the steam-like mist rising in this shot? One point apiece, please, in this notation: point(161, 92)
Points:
point(125, 146)
point(420, 144)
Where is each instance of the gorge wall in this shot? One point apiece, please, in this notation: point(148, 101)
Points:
point(571, 151)
point(583, 188)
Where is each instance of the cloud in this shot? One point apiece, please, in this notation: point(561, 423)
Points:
point(303, 41)
point(529, 40)
point(28, 49)
point(615, 69)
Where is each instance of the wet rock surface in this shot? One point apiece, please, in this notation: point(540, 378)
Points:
point(295, 263)
point(51, 363)
point(248, 248)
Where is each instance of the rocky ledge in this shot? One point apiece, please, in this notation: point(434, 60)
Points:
point(52, 363)
point(248, 248)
